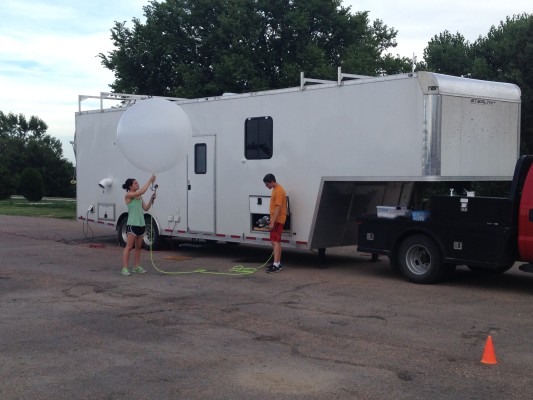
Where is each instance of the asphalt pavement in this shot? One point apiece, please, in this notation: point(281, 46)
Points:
point(73, 328)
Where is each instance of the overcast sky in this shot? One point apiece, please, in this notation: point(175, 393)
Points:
point(48, 48)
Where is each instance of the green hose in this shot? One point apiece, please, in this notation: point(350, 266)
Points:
point(237, 270)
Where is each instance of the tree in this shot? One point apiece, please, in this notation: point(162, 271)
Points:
point(506, 55)
point(31, 184)
point(197, 48)
point(7, 183)
point(450, 54)
point(25, 143)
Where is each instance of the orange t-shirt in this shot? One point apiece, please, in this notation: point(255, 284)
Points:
point(278, 198)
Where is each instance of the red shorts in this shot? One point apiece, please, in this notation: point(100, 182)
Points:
point(275, 233)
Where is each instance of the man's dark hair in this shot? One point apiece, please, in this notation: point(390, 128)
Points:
point(269, 178)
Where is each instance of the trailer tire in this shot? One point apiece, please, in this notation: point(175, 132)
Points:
point(122, 236)
point(420, 260)
point(152, 239)
point(151, 230)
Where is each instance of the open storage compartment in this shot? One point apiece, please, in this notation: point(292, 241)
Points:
point(260, 214)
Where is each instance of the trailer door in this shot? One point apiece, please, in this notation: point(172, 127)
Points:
point(201, 185)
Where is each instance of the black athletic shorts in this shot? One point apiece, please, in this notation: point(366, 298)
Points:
point(135, 230)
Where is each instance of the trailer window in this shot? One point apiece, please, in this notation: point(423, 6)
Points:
point(200, 158)
point(258, 138)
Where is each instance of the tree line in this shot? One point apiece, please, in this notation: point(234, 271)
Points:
point(31, 161)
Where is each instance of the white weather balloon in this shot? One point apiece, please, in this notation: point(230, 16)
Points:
point(153, 134)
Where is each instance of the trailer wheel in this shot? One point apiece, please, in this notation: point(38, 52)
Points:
point(122, 236)
point(419, 260)
point(151, 235)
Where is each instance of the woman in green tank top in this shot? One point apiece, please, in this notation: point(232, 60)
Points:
point(136, 225)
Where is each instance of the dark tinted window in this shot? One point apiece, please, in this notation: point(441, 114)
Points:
point(258, 138)
point(200, 158)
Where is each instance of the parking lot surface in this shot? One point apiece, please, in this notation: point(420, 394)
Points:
point(73, 328)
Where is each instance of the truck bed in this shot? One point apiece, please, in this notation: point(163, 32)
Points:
point(476, 231)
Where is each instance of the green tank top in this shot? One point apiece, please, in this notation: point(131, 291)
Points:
point(136, 212)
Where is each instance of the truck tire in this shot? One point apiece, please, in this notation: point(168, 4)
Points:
point(420, 260)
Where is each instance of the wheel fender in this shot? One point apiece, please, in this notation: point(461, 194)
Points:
point(125, 216)
point(120, 220)
point(155, 221)
point(121, 235)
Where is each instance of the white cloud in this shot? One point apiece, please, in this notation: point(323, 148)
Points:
point(48, 56)
point(417, 22)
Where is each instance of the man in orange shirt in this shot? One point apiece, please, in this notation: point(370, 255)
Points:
point(278, 216)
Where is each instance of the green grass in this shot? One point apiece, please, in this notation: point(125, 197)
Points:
point(52, 208)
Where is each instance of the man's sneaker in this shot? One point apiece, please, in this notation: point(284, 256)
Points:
point(271, 269)
point(125, 272)
point(138, 270)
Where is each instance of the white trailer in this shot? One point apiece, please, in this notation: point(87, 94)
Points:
point(338, 148)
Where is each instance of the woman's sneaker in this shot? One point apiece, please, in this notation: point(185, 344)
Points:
point(138, 270)
point(125, 272)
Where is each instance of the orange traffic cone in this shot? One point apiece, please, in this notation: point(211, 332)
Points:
point(488, 355)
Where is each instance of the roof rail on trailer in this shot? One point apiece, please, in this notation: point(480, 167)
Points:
point(123, 97)
point(129, 99)
point(341, 77)
point(305, 81)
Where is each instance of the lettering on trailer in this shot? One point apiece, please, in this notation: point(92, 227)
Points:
point(486, 102)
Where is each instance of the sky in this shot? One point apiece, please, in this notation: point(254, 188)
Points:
point(49, 48)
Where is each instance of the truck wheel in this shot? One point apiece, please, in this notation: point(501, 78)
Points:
point(151, 235)
point(122, 236)
point(419, 260)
